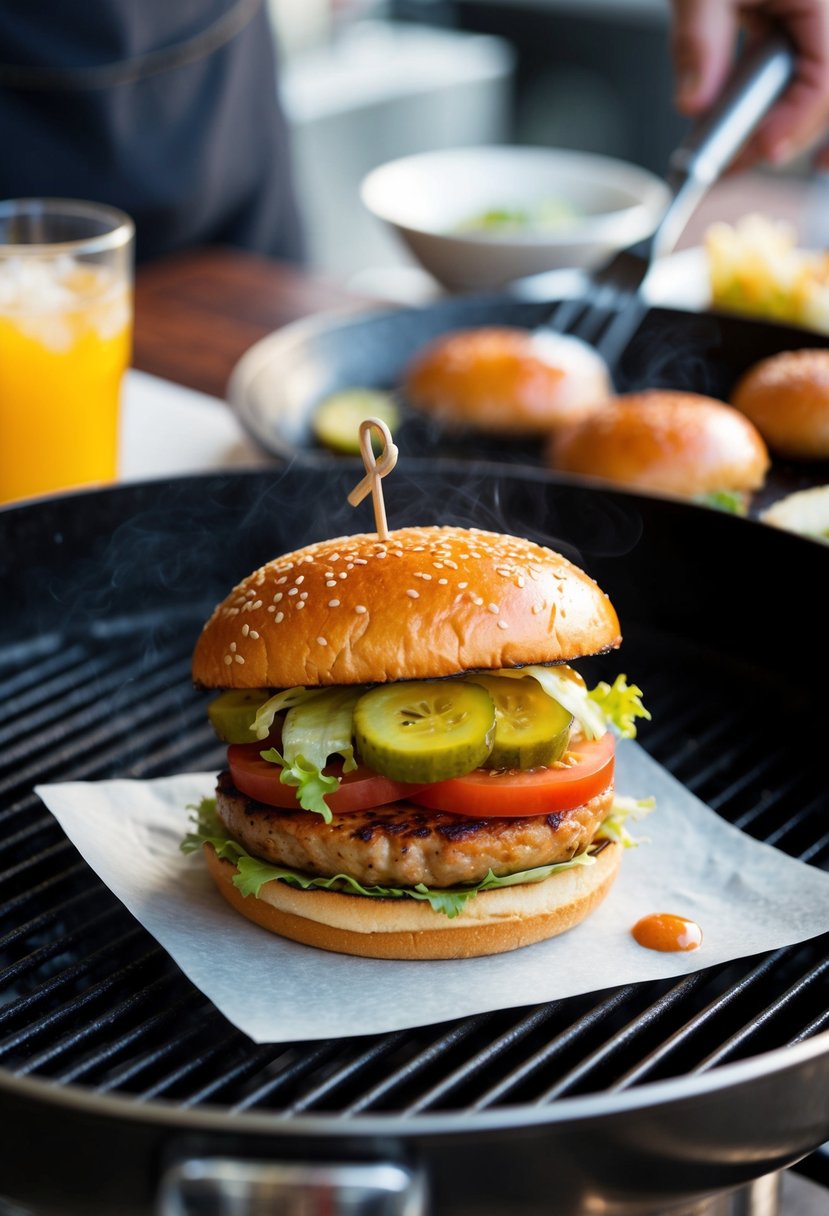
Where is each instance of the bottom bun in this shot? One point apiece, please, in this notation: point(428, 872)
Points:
point(491, 923)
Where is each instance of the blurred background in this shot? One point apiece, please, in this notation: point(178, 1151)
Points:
point(365, 81)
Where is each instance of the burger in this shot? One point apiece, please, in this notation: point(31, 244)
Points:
point(786, 396)
point(667, 442)
point(506, 381)
point(414, 768)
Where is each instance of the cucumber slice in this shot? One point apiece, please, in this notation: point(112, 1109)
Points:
point(336, 421)
point(424, 730)
point(231, 713)
point(531, 729)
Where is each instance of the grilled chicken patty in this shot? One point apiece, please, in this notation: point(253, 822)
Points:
point(402, 844)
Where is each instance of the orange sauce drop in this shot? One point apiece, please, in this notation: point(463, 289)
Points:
point(666, 932)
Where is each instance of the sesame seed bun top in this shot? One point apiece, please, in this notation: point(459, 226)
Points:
point(427, 602)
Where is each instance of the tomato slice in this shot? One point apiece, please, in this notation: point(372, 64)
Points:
point(485, 793)
point(358, 790)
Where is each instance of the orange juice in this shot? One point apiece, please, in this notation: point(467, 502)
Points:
point(65, 329)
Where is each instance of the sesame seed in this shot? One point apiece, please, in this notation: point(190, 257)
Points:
point(300, 604)
point(331, 582)
point(280, 616)
point(271, 608)
point(438, 565)
point(300, 578)
point(333, 603)
point(360, 608)
point(232, 647)
point(520, 580)
point(414, 595)
point(360, 561)
point(448, 562)
point(442, 582)
point(463, 586)
point(277, 597)
point(228, 659)
point(256, 604)
point(282, 580)
point(245, 630)
point(322, 641)
point(342, 574)
point(477, 600)
point(503, 625)
point(254, 635)
point(292, 591)
point(493, 608)
point(303, 595)
point(238, 658)
point(329, 574)
point(536, 609)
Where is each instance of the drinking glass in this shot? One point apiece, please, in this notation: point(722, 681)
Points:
point(65, 342)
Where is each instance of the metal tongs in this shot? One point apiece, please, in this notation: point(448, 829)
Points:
point(608, 313)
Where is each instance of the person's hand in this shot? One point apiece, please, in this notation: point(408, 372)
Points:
point(703, 38)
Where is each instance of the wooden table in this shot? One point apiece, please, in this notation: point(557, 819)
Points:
point(198, 312)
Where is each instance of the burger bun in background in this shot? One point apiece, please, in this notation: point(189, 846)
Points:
point(667, 442)
point(787, 398)
point(506, 381)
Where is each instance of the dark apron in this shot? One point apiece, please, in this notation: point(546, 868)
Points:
point(165, 108)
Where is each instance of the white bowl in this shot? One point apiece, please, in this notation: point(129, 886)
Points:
point(427, 199)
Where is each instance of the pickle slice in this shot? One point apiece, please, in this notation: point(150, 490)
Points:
point(231, 713)
point(424, 730)
point(531, 729)
point(337, 418)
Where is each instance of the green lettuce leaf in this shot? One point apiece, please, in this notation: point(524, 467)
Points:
point(724, 500)
point(289, 697)
point(252, 874)
point(624, 808)
point(621, 704)
point(314, 729)
point(311, 785)
point(321, 727)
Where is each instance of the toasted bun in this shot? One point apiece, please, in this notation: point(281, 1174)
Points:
point(427, 602)
point(665, 441)
point(491, 923)
point(787, 399)
point(507, 381)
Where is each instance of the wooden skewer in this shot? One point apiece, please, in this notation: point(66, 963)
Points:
point(375, 471)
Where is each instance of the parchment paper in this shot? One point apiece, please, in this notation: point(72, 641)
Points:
point(747, 897)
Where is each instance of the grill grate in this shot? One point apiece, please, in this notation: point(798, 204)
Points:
point(87, 997)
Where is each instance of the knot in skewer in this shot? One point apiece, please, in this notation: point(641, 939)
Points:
point(376, 470)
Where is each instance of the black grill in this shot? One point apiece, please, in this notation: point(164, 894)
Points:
point(89, 999)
